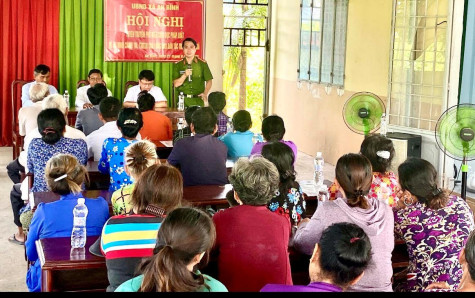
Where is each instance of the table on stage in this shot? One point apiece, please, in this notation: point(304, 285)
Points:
point(67, 269)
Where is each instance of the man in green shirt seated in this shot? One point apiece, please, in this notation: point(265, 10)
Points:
point(192, 76)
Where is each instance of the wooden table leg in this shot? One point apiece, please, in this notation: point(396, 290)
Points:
point(46, 281)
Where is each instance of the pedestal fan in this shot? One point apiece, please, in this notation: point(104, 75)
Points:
point(362, 112)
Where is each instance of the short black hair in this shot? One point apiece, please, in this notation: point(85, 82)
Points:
point(273, 128)
point(130, 122)
point(189, 113)
point(109, 108)
point(96, 93)
point(146, 102)
point(95, 70)
point(42, 69)
point(188, 39)
point(147, 74)
point(51, 124)
point(373, 144)
point(204, 120)
point(242, 121)
point(217, 101)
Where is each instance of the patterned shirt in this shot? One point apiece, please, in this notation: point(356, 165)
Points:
point(383, 187)
point(112, 162)
point(40, 152)
point(222, 121)
point(121, 200)
point(434, 240)
point(290, 204)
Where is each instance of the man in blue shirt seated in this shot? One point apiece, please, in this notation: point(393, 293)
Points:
point(202, 157)
point(42, 75)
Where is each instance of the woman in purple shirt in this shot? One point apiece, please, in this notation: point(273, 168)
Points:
point(338, 261)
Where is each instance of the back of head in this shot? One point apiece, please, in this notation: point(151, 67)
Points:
point(146, 102)
point(470, 254)
point(217, 101)
point(38, 91)
point(379, 150)
point(345, 252)
point(64, 174)
point(242, 121)
point(189, 113)
point(41, 69)
point(419, 177)
point(185, 233)
point(139, 156)
point(255, 180)
point(204, 120)
point(97, 93)
point(130, 122)
point(282, 156)
point(51, 125)
point(160, 185)
point(273, 128)
point(354, 174)
point(55, 101)
point(110, 108)
point(147, 75)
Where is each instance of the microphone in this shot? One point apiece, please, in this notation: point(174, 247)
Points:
point(188, 66)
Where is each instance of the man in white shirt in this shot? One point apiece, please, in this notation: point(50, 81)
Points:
point(146, 80)
point(27, 115)
point(82, 101)
point(42, 75)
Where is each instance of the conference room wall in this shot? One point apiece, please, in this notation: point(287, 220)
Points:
point(316, 124)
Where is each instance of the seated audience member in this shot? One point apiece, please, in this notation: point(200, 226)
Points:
point(112, 156)
point(27, 115)
point(380, 152)
point(273, 130)
point(42, 75)
point(52, 124)
point(186, 131)
point(288, 200)
point(109, 109)
point(217, 101)
point(88, 120)
point(146, 79)
point(353, 177)
point(467, 261)
point(240, 141)
point(64, 176)
point(184, 238)
point(126, 239)
point(138, 157)
point(202, 157)
point(82, 99)
point(338, 261)
point(260, 236)
point(156, 126)
point(433, 224)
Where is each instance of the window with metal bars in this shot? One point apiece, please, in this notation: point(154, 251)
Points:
point(418, 81)
point(322, 51)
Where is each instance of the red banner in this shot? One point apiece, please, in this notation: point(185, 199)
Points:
point(151, 30)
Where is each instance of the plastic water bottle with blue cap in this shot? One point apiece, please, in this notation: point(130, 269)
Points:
point(78, 235)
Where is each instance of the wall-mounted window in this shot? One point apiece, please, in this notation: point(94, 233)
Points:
point(323, 41)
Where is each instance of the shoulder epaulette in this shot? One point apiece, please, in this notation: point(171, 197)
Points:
point(202, 60)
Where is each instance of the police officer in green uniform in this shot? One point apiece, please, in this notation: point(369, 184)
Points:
point(192, 76)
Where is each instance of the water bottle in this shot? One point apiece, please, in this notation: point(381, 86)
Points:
point(229, 126)
point(181, 102)
point(78, 235)
point(180, 127)
point(66, 97)
point(384, 125)
point(318, 174)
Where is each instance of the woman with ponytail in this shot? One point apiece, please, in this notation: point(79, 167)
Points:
point(353, 176)
point(434, 225)
point(184, 238)
point(127, 238)
point(64, 176)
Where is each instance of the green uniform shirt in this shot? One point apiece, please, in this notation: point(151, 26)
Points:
point(201, 73)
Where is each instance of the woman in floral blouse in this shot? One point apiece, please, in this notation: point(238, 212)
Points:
point(380, 152)
point(434, 225)
point(288, 200)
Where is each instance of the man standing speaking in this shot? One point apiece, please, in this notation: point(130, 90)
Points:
point(192, 76)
